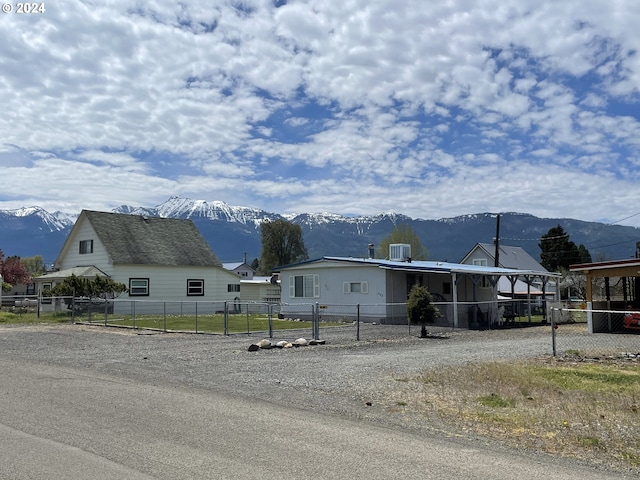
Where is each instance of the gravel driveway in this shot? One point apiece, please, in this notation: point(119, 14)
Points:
point(340, 376)
point(345, 377)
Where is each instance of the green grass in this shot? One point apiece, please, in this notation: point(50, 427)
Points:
point(237, 323)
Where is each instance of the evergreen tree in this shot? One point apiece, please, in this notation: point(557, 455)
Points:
point(99, 287)
point(403, 233)
point(282, 244)
point(420, 308)
point(558, 252)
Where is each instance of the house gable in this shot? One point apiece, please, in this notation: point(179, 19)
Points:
point(508, 257)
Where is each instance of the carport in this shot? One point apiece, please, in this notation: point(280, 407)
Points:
point(628, 270)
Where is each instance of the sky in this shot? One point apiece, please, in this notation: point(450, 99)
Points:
point(430, 109)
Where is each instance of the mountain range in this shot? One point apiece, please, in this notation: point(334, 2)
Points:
point(234, 232)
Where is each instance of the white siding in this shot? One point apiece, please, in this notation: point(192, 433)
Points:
point(331, 282)
point(71, 257)
point(170, 283)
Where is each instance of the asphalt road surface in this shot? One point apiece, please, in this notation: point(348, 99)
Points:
point(65, 421)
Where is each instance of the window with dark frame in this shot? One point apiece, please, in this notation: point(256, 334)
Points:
point(86, 246)
point(138, 287)
point(233, 287)
point(195, 287)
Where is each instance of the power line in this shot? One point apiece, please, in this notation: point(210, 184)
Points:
point(625, 218)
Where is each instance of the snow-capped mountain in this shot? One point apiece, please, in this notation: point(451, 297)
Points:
point(182, 207)
point(234, 231)
point(54, 221)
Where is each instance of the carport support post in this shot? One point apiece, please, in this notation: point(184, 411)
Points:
point(454, 282)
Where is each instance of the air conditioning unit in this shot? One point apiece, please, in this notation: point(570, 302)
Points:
point(400, 252)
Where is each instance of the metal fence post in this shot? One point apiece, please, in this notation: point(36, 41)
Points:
point(225, 328)
point(164, 315)
point(553, 331)
point(358, 322)
point(106, 309)
point(248, 327)
point(270, 317)
point(196, 317)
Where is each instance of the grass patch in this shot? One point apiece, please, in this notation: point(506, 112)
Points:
point(17, 317)
point(588, 410)
point(237, 323)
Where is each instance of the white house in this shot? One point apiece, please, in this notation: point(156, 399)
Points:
point(260, 289)
point(244, 271)
point(381, 287)
point(156, 258)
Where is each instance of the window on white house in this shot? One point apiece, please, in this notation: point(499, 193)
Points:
point(356, 287)
point(304, 286)
point(138, 287)
point(86, 246)
point(195, 287)
point(233, 287)
point(481, 262)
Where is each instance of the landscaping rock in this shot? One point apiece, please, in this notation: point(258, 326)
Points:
point(281, 343)
point(264, 343)
point(253, 347)
point(317, 342)
point(300, 342)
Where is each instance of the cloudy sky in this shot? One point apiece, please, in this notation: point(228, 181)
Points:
point(428, 108)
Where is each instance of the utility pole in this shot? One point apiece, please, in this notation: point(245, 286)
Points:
point(497, 243)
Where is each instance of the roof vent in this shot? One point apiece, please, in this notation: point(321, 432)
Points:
point(399, 252)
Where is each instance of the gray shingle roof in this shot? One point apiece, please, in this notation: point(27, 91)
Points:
point(513, 257)
point(138, 240)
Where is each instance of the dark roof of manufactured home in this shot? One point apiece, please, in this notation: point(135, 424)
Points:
point(142, 240)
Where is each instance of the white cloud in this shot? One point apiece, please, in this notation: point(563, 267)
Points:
point(352, 107)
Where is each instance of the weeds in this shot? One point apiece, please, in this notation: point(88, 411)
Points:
point(587, 409)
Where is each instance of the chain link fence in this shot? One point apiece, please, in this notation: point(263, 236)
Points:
point(581, 331)
point(587, 332)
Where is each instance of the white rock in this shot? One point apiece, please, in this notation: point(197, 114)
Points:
point(264, 343)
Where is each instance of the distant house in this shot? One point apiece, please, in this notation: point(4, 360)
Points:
point(260, 289)
point(381, 287)
point(535, 283)
point(156, 258)
point(244, 271)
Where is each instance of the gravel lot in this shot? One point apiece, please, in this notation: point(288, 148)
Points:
point(341, 376)
point(345, 377)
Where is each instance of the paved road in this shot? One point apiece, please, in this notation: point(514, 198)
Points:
point(60, 421)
